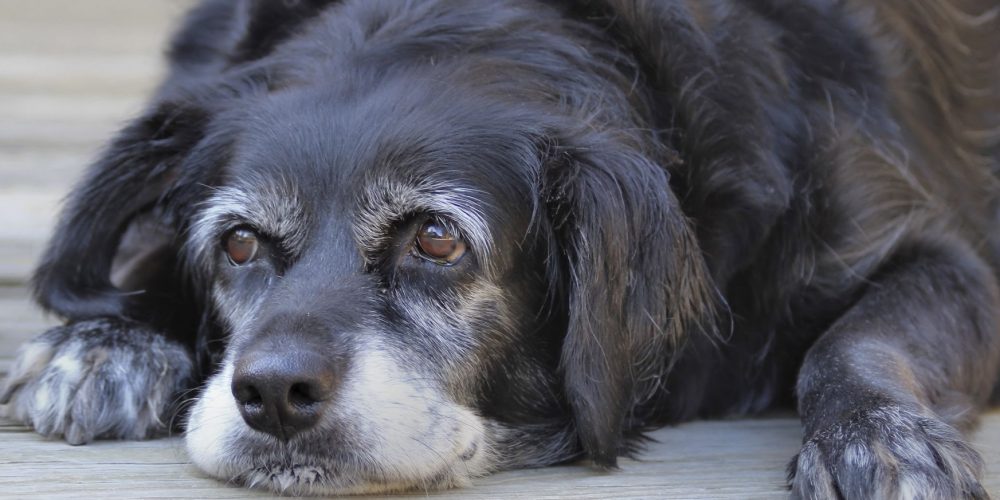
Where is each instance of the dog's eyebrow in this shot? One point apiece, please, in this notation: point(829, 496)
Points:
point(272, 208)
point(384, 203)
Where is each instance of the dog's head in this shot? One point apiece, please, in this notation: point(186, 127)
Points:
point(438, 241)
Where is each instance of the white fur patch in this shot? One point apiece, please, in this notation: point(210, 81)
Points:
point(32, 358)
point(69, 365)
point(405, 434)
point(213, 422)
point(43, 398)
point(413, 429)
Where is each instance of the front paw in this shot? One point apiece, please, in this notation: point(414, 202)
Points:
point(887, 452)
point(103, 378)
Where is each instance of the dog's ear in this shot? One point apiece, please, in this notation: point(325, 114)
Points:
point(730, 110)
point(140, 180)
point(635, 280)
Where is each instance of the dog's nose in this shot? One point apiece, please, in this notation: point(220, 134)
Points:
point(284, 393)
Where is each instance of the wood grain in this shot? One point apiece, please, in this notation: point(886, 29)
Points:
point(714, 459)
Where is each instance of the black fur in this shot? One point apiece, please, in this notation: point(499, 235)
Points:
point(688, 208)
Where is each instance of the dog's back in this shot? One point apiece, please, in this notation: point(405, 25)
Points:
point(940, 62)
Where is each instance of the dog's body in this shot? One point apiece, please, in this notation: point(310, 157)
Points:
point(409, 243)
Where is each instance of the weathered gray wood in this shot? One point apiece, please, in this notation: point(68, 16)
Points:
point(29, 216)
point(20, 320)
point(56, 170)
point(717, 459)
point(93, 27)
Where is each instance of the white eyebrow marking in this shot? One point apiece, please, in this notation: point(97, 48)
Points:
point(384, 202)
point(273, 208)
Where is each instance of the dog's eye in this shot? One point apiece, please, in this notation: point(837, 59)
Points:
point(241, 246)
point(437, 244)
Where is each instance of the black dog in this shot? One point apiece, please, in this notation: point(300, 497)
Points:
point(405, 243)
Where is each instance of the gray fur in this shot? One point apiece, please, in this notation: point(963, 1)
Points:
point(887, 452)
point(98, 379)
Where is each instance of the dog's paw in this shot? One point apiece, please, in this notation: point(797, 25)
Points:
point(887, 452)
point(104, 378)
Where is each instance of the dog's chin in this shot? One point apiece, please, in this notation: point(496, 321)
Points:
point(262, 463)
point(323, 480)
point(392, 437)
point(299, 474)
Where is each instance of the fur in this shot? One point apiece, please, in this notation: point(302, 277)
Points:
point(673, 209)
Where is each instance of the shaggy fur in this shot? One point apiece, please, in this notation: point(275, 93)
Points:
point(673, 209)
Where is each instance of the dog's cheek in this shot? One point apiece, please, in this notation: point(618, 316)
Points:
point(215, 427)
point(411, 427)
point(462, 331)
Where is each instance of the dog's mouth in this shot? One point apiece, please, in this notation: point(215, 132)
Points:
point(387, 435)
point(310, 468)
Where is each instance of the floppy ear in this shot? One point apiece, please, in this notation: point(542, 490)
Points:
point(731, 108)
point(138, 180)
point(154, 172)
point(636, 284)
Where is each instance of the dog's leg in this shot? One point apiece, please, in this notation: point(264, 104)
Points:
point(884, 392)
point(108, 378)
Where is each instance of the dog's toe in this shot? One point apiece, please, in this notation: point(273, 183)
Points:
point(887, 452)
point(97, 378)
point(809, 476)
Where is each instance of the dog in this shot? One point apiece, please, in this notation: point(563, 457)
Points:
point(372, 246)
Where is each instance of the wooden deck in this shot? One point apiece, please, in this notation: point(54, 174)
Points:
point(70, 72)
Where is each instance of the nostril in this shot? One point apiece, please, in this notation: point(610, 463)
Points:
point(303, 394)
point(248, 395)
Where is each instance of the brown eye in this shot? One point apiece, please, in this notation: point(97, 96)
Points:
point(241, 246)
point(436, 243)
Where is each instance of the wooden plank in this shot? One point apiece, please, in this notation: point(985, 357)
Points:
point(17, 259)
point(90, 27)
point(106, 76)
point(30, 213)
point(29, 216)
point(111, 15)
point(48, 107)
point(49, 171)
point(38, 134)
point(708, 459)
point(21, 321)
